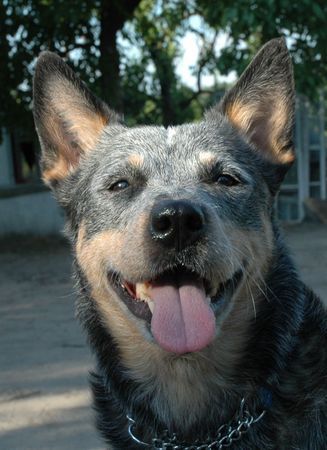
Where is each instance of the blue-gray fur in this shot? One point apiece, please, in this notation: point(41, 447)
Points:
point(285, 346)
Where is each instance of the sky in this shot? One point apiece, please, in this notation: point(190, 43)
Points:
point(190, 45)
point(190, 53)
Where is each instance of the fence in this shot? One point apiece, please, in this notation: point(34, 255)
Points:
point(307, 177)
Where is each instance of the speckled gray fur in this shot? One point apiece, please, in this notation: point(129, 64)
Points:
point(284, 348)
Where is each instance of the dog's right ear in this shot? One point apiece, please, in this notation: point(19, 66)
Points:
point(68, 117)
point(261, 104)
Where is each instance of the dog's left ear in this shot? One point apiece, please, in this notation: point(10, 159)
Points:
point(69, 119)
point(261, 104)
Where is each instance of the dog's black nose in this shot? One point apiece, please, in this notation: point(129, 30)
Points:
point(176, 223)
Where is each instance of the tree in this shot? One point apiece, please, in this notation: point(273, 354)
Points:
point(83, 32)
point(250, 23)
point(113, 14)
point(127, 50)
point(89, 35)
point(158, 28)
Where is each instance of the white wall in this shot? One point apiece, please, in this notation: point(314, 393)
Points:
point(35, 213)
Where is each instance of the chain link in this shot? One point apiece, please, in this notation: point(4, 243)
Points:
point(227, 434)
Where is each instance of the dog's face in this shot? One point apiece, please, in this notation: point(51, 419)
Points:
point(169, 225)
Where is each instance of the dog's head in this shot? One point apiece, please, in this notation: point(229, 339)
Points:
point(169, 225)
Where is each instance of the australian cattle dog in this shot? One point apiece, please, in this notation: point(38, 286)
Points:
point(204, 334)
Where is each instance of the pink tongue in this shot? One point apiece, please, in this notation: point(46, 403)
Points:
point(182, 319)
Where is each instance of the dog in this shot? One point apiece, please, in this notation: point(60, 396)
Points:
point(205, 336)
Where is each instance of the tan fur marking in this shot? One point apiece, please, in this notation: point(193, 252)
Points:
point(266, 124)
point(276, 124)
point(93, 256)
point(256, 245)
point(207, 158)
point(136, 160)
point(86, 127)
point(240, 115)
point(60, 169)
point(72, 128)
point(84, 124)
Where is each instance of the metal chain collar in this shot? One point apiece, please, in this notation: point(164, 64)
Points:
point(226, 435)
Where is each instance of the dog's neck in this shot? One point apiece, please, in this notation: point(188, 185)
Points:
point(142, 425)
point(225, 434)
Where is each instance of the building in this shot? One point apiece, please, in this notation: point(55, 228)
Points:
point(307, 177)
point(26, 205)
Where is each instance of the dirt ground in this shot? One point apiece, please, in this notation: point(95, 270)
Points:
point(44, 361)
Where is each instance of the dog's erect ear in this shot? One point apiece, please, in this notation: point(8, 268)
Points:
point(68, 117)
point(261, 104)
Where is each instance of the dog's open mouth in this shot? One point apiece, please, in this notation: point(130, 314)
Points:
point(180, 306)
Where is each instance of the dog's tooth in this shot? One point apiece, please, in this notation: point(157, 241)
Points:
point(208, 299)
point(151, 305)
point(142, 291)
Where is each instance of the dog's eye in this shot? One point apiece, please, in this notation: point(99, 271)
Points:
point(119, 185)
point(227, 180)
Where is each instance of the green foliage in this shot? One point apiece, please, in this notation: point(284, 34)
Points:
point(149, 87)
point(148, 49)
point(157, 29)
point(29, 27)
point(251, 23)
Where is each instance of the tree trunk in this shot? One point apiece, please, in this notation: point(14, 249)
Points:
point(167, 81)
point(113, 15)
